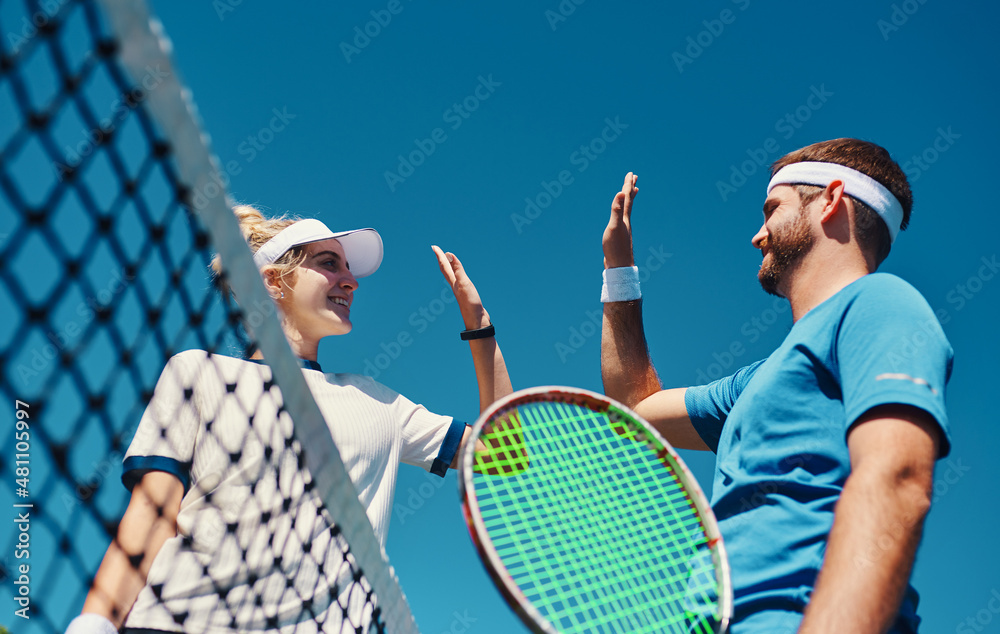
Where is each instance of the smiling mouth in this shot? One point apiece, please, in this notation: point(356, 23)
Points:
point(340, 301)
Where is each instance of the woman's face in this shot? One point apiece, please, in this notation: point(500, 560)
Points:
point(319, 304)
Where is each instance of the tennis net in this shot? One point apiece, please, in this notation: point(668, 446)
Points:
point(111, 209)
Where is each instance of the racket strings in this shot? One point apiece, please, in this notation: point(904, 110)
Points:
point(601, 531)
point(613, 605)
point(585, 537)
point(679, 509)
point(647, 513)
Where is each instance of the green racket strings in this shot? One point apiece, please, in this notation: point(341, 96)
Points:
point(592, 523)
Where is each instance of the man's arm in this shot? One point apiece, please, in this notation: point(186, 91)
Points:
point(626, 369)
point(877, 522)
point(149, 521)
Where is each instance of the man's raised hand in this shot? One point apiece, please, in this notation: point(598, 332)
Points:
point(617, 240)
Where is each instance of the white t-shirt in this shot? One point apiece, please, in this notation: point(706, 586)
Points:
point(253, 551)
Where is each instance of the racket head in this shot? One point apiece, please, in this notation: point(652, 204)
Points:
point(548, 443)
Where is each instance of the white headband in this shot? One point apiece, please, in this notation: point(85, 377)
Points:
point(362, 247)
point(860, 186)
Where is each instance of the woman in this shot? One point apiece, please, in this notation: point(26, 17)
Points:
point(222, 532)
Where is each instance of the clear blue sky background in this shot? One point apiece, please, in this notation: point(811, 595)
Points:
point(697, 92)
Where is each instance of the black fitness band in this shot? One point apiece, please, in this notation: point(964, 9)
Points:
point(478, 333)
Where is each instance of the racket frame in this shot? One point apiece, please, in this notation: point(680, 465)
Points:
point(527, 612)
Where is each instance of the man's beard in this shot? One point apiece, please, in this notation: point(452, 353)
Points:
point(785, 248)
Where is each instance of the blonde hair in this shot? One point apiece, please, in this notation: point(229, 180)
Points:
point(258, 229)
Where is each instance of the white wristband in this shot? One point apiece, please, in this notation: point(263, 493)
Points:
point(90, 623)
point(621, 284)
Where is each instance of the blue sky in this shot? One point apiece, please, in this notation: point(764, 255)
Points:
point(502, 131)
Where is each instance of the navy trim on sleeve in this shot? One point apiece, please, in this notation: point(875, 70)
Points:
point(448, 448)
point(307, 364)
point(134, 467)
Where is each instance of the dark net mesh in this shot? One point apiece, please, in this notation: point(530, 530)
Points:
point(118, 346)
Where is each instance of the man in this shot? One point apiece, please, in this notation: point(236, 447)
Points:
point(826, 449)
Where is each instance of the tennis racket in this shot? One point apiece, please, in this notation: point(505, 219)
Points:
point(588, 521)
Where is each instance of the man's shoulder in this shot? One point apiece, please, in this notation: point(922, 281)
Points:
point(884, 290)
point(885, 303)
point(884, 282)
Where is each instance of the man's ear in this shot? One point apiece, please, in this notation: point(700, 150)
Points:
point(833, 200)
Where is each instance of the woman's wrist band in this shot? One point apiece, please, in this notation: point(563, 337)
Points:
point(621, 284)
point(478, 333)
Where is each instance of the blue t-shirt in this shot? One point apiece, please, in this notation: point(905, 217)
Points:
point(779, 429)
